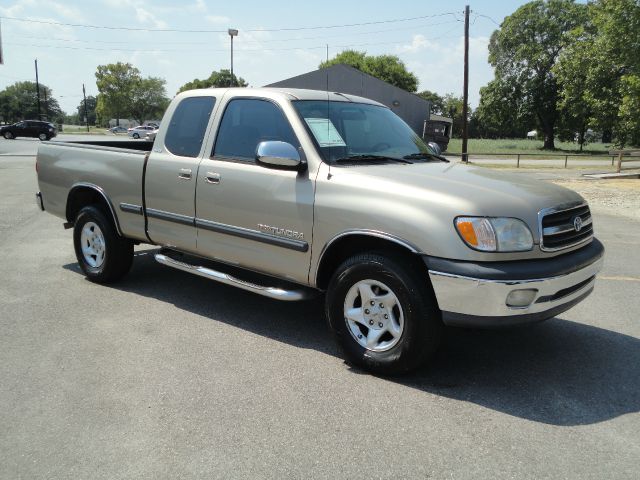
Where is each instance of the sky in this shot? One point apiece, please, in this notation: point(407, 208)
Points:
point(276, 40)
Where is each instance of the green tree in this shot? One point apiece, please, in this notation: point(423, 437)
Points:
point(600, 71)
point(437, 101)
point(116, 84)
point(452, 108)
point(524, 50)
point(571, 77)
point(388, 68)
point(502, 112)
point(20, 101)
point(91, 110)
point(149, 99)
point(217, 79)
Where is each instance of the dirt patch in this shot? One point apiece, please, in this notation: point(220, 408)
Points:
point(618, 197)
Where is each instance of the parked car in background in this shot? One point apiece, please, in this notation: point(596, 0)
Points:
point(29, 128)
point(151, 136)
point(117, 129)
point(140, 131)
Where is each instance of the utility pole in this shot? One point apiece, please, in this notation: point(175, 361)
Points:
point(38, 90)
point(327, 53)
point(465, 95)
point(86, 117)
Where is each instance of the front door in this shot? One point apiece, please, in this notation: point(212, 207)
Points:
point(21, 130)
point(249, 215)
point(170, 180)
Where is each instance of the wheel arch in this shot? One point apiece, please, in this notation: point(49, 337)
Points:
point(83, 194)
point(346, 244)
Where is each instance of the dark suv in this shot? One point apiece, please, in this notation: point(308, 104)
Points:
point(29, 128)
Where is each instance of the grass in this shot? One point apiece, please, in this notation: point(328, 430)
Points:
point(521, 145)
point(80, 129)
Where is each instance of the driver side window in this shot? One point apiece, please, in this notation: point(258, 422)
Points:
point(247, 122)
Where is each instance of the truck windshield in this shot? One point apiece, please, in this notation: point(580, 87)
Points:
point(359, 132)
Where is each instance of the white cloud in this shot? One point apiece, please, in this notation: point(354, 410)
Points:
point(198, 6)
point(418, 42)
point(309, 58)
point(217, 19)
point(441, 71)
point(17, 8)
point(144, 16)
point(65, 11)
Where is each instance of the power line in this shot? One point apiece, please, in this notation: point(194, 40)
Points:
point(487, 17)
point(123, 42)
point(177, 30)
point(182, 51)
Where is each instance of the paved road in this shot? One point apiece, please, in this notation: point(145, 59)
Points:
point(166, 375)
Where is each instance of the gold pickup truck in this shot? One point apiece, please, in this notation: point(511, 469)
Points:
point(290, 193)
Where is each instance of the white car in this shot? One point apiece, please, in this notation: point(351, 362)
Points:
point(151, 136)
point(140, 131)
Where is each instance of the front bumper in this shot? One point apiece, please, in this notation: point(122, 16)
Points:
point(475, 294)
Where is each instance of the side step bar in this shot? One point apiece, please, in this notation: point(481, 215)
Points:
point(271, 292)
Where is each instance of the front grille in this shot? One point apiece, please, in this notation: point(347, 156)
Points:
point(558, 227)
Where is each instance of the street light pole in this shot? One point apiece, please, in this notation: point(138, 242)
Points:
point(232, 33)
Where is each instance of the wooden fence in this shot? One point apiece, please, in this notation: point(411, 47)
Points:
point(624, 153)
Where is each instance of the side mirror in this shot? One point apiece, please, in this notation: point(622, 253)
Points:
point(436, 148)
point(279, 155)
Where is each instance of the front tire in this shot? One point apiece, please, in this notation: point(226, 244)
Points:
point(43, 137)
point(383, 313)
point(8, 135)
point(102, 254)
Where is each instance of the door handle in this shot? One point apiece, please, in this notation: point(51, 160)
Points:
point(184, 174)
point(212, 177)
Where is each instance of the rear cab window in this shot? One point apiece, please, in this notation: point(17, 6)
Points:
point(188, 125)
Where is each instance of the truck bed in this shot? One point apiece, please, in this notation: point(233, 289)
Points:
point(114, 168)
point(138, 145)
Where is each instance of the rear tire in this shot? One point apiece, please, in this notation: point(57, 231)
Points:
point(135, 135)
point(383, 313)
point(8, 135)
point(103, 255)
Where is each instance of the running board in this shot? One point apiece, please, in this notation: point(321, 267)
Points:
point(271, 292)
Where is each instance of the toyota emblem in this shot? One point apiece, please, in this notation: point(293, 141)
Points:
point(577, 223)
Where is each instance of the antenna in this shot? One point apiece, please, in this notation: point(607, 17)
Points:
point(328, 120)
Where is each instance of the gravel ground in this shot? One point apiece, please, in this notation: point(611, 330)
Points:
point(616, 197)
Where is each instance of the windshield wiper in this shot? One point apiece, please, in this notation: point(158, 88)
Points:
point(425, 156)
point(355, 158)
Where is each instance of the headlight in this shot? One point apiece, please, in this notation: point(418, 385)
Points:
point(491, 234)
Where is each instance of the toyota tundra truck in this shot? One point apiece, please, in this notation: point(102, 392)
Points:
point(292, 193)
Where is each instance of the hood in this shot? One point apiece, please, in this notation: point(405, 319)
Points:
point(486, 192)
point(448, 190)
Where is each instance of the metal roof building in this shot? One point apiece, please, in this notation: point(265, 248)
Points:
point(414, 110)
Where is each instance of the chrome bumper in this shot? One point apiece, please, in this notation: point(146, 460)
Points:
point(468, 301)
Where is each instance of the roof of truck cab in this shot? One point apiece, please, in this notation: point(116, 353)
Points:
point(285, 93)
